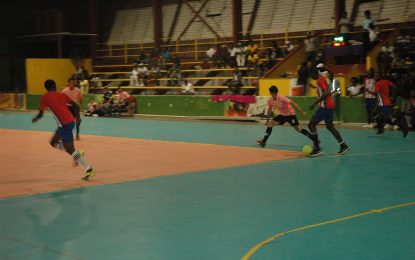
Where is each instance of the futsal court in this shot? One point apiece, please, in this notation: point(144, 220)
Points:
point(169, 189)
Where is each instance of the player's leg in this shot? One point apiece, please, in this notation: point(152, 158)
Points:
point(65, 133)
point(380, 121)
point(275, 121)
point(293, 121)
point(312, 126)
point(56, 141)
point(78, 122)
point(343, 146)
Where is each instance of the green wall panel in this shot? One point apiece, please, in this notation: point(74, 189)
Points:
point(179, 105)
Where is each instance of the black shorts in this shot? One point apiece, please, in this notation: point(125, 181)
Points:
point(76, 113)
point(292, 120)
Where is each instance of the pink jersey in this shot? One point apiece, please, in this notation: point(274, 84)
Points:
point(124, 96)
point(283, 104)
point(74, 94)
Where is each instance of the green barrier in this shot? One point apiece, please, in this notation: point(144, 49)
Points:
point(179, 105)
point(348, 109)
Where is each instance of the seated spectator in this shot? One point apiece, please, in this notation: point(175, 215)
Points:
point(134, 76)
point(240, 54)
point(165, 57)
point(252, 47)
point(92, 108)
point(142, 74)
point(236, 82)
point(187, 88)
point(127, 102)
point(253, 60)
point(175, 74)
point(355, 88)
point(153, 76)
point(210, 55)
point(222, 56)
point(289, 46)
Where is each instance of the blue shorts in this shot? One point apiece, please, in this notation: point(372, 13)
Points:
point(385, 110)
point(323, 114)
point(65, 132)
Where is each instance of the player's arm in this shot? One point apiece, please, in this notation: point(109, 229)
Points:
point(324, 95)
point(296, 106)
point(41, 109)
point(37, 117)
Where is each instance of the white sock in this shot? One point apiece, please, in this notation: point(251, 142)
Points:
point(81, 160)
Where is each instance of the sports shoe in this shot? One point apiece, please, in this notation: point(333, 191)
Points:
point(343, 149)
point(260, 142)
point(316, 152)
point(75, 163)
point(89, 174)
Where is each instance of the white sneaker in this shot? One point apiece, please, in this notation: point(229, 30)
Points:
point(371, 125)
point(395, 127)
point(366, 126)
point(388, 126)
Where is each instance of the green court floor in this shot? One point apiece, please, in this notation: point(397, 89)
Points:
point(226, 213)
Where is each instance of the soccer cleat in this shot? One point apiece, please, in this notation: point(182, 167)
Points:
point(260, 142)
point(89, 174)
point(75, 163)
point(343, 149)
point(316, 152)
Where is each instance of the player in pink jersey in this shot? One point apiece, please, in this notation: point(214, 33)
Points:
point(326, 113)
point(58, 103)
point(287, 114)
point(75, 94)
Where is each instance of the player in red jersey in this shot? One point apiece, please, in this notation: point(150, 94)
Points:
point(382, 91)
point(57, 103)
point(325, 112)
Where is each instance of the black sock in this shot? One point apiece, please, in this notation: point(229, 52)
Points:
point(267, 134)
point(314, 137)
point(306, 133)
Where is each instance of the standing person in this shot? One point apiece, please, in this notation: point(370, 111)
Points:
point(57, 103)
point(325, 112)
point(370, 99)
point(75, 94)
point(287, 114)
point(382, 91)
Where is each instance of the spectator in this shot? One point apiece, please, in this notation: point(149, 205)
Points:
point(344, 24)
point(253, 60)
point(289, 46)
point(222, 56)
point(126, 102)
point(355, 88)
point(165, 57)
point(210, 55)
point(153, 76)
point(370, 99)
point(310, 47)
point(142, 74)
point(373, 33)
point(187, 88)
point(240, 53)
point(385, 58)
point(92, 108)
point(175, 75)
point(134, 76)
point(252, 47)
point(303, 74)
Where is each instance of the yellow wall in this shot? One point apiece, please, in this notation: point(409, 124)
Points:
point(39, 70)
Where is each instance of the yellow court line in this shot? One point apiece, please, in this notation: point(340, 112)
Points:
point(373, 211)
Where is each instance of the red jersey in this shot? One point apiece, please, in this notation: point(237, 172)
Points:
point(57, 103)
point(322, 85)
point(382, 87)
